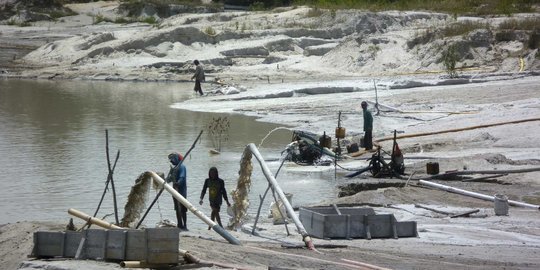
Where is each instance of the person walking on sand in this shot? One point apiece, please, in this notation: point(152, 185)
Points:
point(216, 187)
point(177, 175)
point(198, 76)
point(368, 127)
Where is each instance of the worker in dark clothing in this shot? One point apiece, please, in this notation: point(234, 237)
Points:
point(177, 175)
point(216, 187)
point(368, 127)
point(198, 76)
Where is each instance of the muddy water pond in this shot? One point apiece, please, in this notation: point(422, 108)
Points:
point(52, 148)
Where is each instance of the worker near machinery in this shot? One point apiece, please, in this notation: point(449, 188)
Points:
point(216, 187)
point(177, 175)
point(368, 127)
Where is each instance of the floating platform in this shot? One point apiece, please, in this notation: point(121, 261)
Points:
point(354, 222)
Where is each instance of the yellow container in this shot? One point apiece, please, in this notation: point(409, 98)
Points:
point(340, 133)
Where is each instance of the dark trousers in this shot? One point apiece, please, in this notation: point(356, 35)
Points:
point(181, 212)
point(368, 140)
point(197, 87)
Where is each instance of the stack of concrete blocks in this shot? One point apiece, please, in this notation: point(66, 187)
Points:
point(153, 246)
point(353, 222)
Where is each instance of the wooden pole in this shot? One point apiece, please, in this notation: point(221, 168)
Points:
point(106, 188)
point(110, 176)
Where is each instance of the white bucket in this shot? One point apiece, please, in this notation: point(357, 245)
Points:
point(501, 205)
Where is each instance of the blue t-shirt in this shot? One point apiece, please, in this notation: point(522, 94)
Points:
point(181, 180)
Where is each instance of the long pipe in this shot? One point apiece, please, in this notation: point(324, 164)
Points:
point(487, 172)
point(456, 129)
point(194, 210)
point(277, 188)
point(92, 220)
point(475, 195)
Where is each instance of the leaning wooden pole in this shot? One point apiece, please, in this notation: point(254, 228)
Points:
point(110, 176)
point(475, 195)
point(92, 220)
point(105, 189)
point(275, 186)
point(194, 210)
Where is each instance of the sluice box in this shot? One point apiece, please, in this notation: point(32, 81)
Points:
point(354, 222)
point(153, 245)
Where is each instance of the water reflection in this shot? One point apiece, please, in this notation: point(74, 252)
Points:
point(52, 146)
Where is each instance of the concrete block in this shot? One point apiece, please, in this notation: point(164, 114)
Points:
point(116, 244)
point(136, 245)
point(48, 244)
point(71, 243)
point(162, 245)
point(96, 244)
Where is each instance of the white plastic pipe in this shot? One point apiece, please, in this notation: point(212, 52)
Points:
point(277, 188)
point(475, 195)
point(194, 210)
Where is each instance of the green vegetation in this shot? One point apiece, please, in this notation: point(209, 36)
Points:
point(56, 14)
point(373, 50)
point(218, 130)
point(257, 6)
point(210, 31)
point(314, 12)
point(149, 20)
point(20, 24)
point(134, 7)
point(461, 28)
point(470, 7)
point(525, 24)
point(165, 2)
point(534, 41)
point(478, 7)
point(122, 20)
point(450, 58)
point(100, 18)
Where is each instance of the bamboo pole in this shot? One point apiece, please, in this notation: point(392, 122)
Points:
point(92, 220)
point(475, 195)
point(266, 171)
point(194, 210)
point(456, 129)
